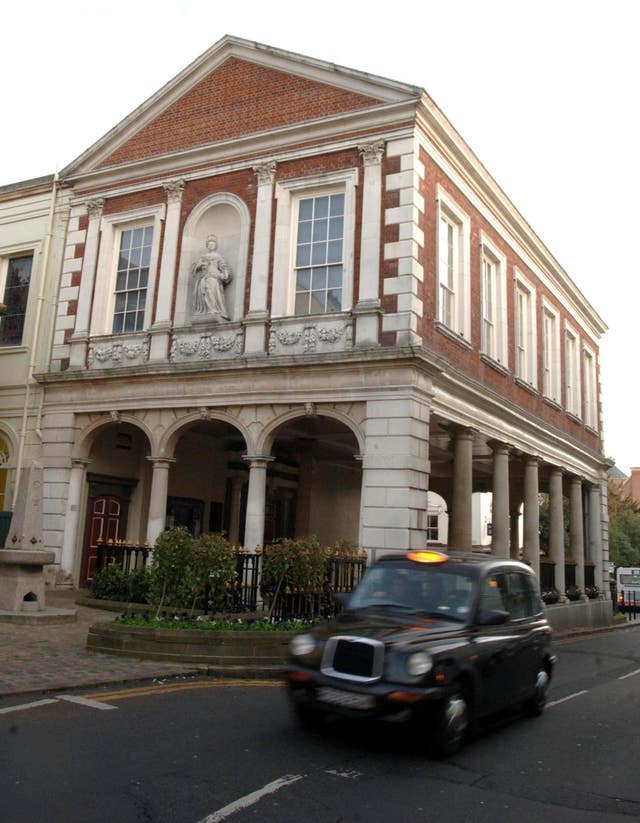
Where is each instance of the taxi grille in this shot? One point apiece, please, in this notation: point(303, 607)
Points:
point(353, 658)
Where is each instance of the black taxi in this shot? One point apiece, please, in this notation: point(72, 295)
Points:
point(443, 639)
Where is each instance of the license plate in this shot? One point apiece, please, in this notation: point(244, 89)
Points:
point(351, 700)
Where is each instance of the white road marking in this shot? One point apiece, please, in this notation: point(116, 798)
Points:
point(631, 674)
point(568, 697)
point(250, 799)
point(84, 701)
point(23, 706)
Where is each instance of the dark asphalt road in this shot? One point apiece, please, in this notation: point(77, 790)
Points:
point(185, 753)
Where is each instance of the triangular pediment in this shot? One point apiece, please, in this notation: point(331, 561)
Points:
point(237, 89)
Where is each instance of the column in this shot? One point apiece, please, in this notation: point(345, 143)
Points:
point(158, 499)
point(500, 500)
point(531, 536)
point(72, 518)
point(257, 318)
point(576, 529)
point(256, 500)
point(368, 308)
point(601, 574)
point(80, 337)
point(556, 529)
point(237, 482)
point(159, 349)
point(460, 528)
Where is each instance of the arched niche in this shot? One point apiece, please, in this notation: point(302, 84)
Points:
point(227, 217)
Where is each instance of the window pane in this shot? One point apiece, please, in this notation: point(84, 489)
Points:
point(117, 323)
point(335, 276)
point(129, 322)
point(322, 207)
point(317, 302)
point(334, 300)
point(121, 300)
point(305, 211)
point(15, 297)
point(319, 279)
point(302, 303)
point(337, 204)
point(320, 229)
point(136, 241)
point(304, 232)
point(319, 254)
point(334, 251)
point(303, 255)
point(303, 279)
point(336, 228)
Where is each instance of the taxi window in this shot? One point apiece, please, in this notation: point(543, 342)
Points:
point(493, 595)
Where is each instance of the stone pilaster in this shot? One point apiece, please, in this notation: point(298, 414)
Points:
point(80, 337)
point(257, 319)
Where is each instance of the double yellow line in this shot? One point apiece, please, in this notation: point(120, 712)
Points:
point(166, 688)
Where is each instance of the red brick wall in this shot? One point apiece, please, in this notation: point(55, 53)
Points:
point(237, 98)
point(468, 361)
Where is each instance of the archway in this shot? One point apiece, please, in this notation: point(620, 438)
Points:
point(314, 482)
point(117, 490)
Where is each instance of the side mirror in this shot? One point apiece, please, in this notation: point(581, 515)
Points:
point(493, 617)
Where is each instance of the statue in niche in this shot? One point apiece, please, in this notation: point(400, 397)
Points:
point(212, 273)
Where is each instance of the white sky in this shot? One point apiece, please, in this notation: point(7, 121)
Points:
point(545, 92)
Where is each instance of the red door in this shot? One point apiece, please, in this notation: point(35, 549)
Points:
point(106, 520)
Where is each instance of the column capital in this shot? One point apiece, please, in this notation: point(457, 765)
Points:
point(174, 190)
point(372, 152)
point(265, 172)
point(95, 207)
point(499, 446)
point(80, 462)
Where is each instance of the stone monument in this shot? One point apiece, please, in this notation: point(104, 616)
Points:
point(23, 558)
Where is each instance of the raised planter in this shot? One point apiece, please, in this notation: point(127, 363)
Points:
point(216, 648)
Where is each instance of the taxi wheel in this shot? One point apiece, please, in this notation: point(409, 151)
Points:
point(452, 723)
point(534, 706)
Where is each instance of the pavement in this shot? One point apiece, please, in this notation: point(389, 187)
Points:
point(44, 656)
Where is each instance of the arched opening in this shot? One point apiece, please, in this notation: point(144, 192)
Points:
point(314, 482)
point(118, 480)
point(207, 489)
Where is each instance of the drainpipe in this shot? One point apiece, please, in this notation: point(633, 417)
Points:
point(45, 254)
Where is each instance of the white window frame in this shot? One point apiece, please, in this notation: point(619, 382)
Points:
point(590, 383)
point(551, 369)
point(460, 322)
point(288, 193)
point(525, 332)
point(111, 227)
point(494, 337)
point(572, 386)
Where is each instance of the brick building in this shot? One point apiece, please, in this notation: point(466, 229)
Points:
point(293, 301)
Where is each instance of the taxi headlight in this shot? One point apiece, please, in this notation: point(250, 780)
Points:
point(419, 663)
point(302, 644)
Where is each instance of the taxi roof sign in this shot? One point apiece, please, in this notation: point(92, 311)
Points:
point(428, 556)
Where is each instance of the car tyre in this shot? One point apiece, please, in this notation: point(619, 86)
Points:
point(535, 705)
point(452, 722)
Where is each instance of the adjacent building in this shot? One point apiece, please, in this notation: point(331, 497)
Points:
point(293, 301)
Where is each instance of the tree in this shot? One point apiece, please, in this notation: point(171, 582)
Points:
point(624, 527)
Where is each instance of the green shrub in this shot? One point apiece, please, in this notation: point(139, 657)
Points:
point(170, 584)
point(109, 584)
point(138, 582)
point(293, 566)
point(215, 571)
